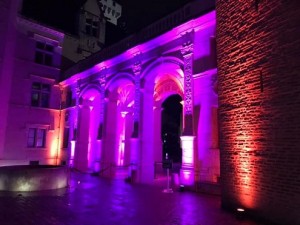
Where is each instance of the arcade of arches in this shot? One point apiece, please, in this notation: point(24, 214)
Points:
point(155, 99)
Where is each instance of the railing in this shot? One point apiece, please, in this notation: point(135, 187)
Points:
point(106, 169)
point(110, 170)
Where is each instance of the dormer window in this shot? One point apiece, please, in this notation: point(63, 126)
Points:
point(92, 26)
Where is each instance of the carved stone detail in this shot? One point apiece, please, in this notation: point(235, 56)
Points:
point(77, 90)
point(187, 52)
point(102, 82)
point(136, 68)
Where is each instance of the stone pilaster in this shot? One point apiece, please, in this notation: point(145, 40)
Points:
point(102, 83)
point(77, 90)
point(136, 68)
point(74, 142)
point(187, 53)
point(187, 174)
point(134, 141)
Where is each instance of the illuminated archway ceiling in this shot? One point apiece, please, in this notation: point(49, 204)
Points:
point(126, 95)
point(90, 94)
point(164, 86)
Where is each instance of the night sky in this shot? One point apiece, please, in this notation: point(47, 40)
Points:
point(136, 14)
point(61, 14)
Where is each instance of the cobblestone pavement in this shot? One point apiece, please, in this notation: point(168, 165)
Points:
point(92, 200)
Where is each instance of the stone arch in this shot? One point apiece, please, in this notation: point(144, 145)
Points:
point(87, 150)
point(117, 79)
point(90, 91)
point(150, 74)
point(165, 86)
point(160, 79)
point(120, 91)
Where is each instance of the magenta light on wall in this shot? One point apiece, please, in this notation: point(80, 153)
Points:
point(187, 143)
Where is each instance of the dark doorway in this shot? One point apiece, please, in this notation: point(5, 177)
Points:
point(171, 127)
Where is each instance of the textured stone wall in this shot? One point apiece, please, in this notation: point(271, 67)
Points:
point(258, 50)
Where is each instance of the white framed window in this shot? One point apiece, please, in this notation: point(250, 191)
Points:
point(36, 137)
point(92, 25)
point(44, 53)
point(40, 94)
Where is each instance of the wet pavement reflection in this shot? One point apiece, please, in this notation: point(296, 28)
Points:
point(91, 200)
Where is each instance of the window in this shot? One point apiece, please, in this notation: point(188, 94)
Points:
point(36, 138)
point(40, 94)
point(69, 99)
point(66, 137)
point(44, 53)
point(92, 26)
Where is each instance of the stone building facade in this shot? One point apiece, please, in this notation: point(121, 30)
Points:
point(115, 119)
point(258, 44)
point(232, 68)
point(30, 69)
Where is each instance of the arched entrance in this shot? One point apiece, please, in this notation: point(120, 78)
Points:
point(87, 152)
point(171, 128)
point(118, 127)
point(161, 80)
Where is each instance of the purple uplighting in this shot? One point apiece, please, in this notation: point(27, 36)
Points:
point(132, 95)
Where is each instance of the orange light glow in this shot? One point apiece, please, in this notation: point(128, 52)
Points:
point(244, 163)
point(53, 148)
point(55, 138)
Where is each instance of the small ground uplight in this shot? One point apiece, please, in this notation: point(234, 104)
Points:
point(181, 188)
point(240, 213)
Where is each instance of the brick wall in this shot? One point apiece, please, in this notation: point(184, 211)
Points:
point(258, 50)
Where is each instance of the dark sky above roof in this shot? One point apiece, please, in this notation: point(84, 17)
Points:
point(136, 14)
point(61, 14)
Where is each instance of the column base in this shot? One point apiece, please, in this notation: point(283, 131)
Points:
point(187, 176)
point(133, 175)
point(133, 169)
point(187, 172)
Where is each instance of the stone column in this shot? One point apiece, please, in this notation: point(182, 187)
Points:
point(121, 141)
point(157, 110)
point(134, 145)
point(187, 176)
point(102, 82)
point(81, 132)
point(75, 116)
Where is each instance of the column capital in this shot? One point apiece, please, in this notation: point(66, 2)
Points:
point(77, 88)
point(102, 80)
point(124, 113)
point(102, 76)
point(137, 68)
point(187, 49)
point(137, 65)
